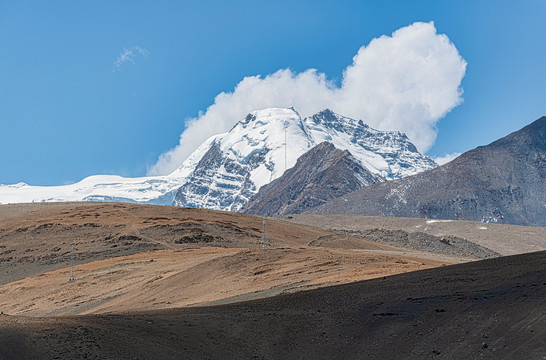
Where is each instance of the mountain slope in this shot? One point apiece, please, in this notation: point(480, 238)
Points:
point(502, 182)
point(258, 150)
point(322, 174)
point(236, 164)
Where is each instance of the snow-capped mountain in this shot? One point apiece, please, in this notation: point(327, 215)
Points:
point(257, 150)
point(227, 169)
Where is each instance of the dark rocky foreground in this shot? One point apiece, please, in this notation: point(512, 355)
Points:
point(491, 309)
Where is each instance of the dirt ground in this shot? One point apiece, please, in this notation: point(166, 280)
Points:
point(154, 282)
point(131, 257)
point(490, 309)
point(36, 238)
point(184, 277)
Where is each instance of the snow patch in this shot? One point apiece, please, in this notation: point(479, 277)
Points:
point(432, 221)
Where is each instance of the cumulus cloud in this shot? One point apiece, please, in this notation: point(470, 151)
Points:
point(405, 82)
point(441, 160)
point(128, 55)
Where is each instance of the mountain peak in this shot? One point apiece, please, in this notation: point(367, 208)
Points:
point(326, 113)
point(539, 123)
point(274, 112)
point(327, 116)
point(268, 116)
point(536, 127)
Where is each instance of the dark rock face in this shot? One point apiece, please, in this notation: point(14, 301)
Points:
point(322, 174)
point(502, 182)
point(204, 184)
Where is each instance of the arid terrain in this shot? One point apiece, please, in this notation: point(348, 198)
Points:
point(164, 282)
point(490, 309)
point(133, 257)
point(503, 239)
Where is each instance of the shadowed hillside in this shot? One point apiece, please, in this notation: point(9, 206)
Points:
point(492, 309)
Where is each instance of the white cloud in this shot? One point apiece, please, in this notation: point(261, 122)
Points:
point(406, 82)
point(128, 55)
point(441, 160)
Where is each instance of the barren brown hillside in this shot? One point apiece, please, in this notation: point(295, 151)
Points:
point(36, 238)
point(134, 257)
point(189, 275)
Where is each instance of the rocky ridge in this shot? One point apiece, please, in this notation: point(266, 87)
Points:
point(322, 174)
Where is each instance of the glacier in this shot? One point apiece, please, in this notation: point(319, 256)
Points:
point(157, 190)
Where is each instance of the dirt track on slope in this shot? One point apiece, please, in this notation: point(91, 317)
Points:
point(187, 277)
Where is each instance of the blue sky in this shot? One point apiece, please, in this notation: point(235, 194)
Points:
point(68, 111)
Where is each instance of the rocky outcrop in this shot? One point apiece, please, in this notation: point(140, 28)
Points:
point(212, 189)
